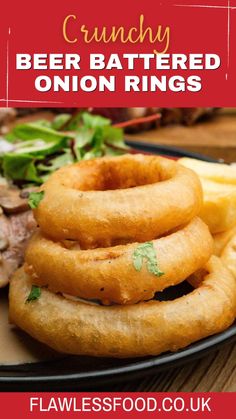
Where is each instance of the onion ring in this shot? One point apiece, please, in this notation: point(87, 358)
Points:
point(108, 274)
point(114, 200)
point(147, 328)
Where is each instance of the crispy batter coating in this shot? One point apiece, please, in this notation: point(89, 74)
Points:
point(126, 331)
point(116, 200)
point(108, 274)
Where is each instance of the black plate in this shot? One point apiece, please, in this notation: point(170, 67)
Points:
point(74, 373)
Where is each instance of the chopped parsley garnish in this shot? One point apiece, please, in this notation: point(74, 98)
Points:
point(34, 294)
point(35, 198)
point(146, 253)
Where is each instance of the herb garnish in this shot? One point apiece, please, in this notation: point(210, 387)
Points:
point(146, 252)
point(34, 294)
point(35, 198)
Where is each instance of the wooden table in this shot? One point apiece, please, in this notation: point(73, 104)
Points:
point(216, 371)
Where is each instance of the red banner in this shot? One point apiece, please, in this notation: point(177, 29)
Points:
point(118, 405)
point(152, 53)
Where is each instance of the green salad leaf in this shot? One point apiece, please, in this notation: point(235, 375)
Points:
point(60, 121)
point(20, 167)
point(56, 162)
point(33, 131)
point(39, 148)
point(94, 121)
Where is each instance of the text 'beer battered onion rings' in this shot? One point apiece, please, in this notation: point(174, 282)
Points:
point(108, 274)
point(109, 201)
point(147, 328)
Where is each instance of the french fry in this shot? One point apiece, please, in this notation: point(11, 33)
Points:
point(228, 256)
point(217, 172)
point(219, 208)
point(219, 190)
point(222, 239)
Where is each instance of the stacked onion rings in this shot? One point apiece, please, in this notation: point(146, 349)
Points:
point(109, 201)
point(92, 218)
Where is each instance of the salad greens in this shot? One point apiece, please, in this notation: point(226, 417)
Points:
point(37, 149)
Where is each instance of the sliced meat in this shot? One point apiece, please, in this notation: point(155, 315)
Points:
point(15, 232)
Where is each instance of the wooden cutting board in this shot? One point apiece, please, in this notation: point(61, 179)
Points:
point(215, 137)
